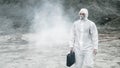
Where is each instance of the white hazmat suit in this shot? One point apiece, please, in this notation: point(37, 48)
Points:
point(84, 39)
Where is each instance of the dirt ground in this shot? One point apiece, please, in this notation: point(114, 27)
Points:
point(16, 52)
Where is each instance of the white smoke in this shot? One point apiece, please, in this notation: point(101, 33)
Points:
point(50, 25)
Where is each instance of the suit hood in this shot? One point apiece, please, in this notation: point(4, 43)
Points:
point(84, 10)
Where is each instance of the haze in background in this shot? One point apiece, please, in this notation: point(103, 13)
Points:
point(50, 26)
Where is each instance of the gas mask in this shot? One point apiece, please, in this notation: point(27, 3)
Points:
point(82, 16)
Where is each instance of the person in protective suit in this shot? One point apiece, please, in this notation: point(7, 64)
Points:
point(84, 40)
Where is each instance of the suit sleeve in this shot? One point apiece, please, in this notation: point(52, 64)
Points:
point(94, 34)
point(72, 36)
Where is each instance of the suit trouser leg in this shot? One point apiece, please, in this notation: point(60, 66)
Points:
point(79, 59)
point(89, 60)
point(84, 59)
